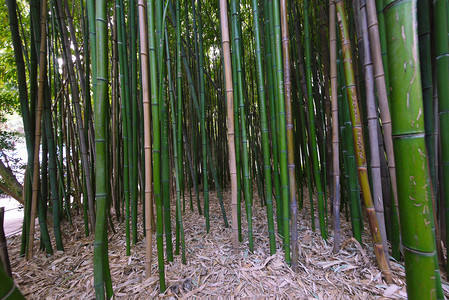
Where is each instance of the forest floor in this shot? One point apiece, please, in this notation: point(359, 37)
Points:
point(212, 269)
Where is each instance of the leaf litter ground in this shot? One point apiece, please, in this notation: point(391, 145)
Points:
point(213, 269)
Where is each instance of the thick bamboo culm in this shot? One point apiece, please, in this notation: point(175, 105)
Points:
point(414, 194)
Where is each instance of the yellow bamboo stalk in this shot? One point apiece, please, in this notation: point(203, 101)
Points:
point(147, 136)
point(230, 111)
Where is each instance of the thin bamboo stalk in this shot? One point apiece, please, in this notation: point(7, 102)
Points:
point(380, 80)
point(335, 127)
point(373, 120)
point(179, 225)
point(290, 140)
point(230, 113)
point(143, 31)
point(312, 127)
point(80, 126)
point(156, 141)
point(264, 127)
point(37, 138)
point(243, 127)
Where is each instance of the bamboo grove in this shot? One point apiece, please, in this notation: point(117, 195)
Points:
point(134, 111)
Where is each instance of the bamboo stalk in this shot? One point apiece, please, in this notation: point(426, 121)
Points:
point(380, 80)
point(359, 144)
point(179, 223)
point(143, 31)
point(102, 277)
point(373, 120)
point(243, 126)
point(230, 113)
point(409, 145)
point(264, 127)
point(335, 138)
point(156, 142)
point(312, 127)
point(441, 23)
point(37, 138)
point(290, 141)
point(81, 130)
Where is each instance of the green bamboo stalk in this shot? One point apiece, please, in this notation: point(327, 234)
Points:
point(264, 127)
point(197, 111)
point(45, 243)
point(93, 44)
point(85, 164)
point(39, 109)
point(102, 277)
point(440, 11)
point(245, 154)
point(409, 145)
point(429, 112)
point(194, 121)
point(312, 129)
point(272, 121)
point(179, 224)
point(301, 83)
point(290, 141)
point(427, 85)
point(165, 159)
point(201, 92)
point(126, 117)
point(52, 170)
point(25, 111)
point(8, 289)
point(238, 148)
point(124, 99)
point(156, 141)
point(134, 117)
point(280, 119)
point(179, 96)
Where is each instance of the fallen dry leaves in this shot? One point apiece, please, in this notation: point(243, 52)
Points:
point(212, 268)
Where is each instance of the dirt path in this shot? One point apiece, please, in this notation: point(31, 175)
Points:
point(13, 216)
